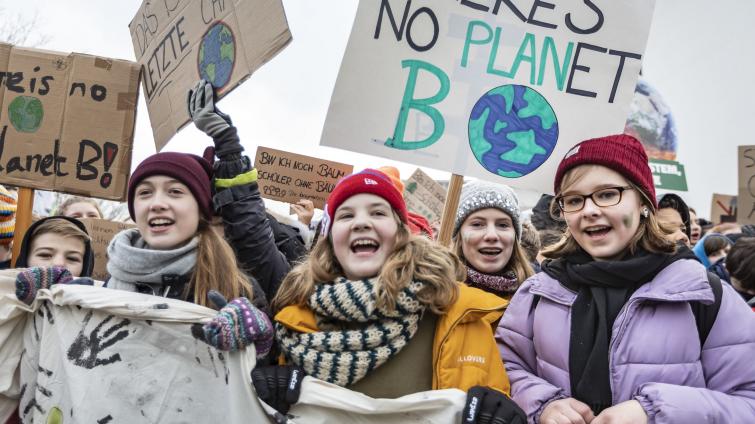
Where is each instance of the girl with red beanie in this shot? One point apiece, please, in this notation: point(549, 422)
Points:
point(609, 331)
point(374, 305)
point(175, 252)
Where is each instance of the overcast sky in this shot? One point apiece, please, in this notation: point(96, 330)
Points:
point(694, 58)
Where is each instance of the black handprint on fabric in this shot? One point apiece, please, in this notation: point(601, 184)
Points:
point(85, 350)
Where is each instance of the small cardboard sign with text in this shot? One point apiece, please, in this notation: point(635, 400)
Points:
point(102, 231)
point(66, 121)
point(178, 42)
point(723, 208)
point(424, 196)
point(288, 177)
point(746, 196)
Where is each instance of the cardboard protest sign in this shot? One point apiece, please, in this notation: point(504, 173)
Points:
point(746, 198)
point(101, 231)
point(494, 90)
point(66, 121)
point(723, 209)
point(668, 174)
point(424, 196)
point(288, 177)
point(178, 42)
point(88, 354)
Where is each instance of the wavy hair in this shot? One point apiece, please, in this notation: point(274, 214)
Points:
point(414, 258)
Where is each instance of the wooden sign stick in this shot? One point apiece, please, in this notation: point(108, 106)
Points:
point(449, 209)
point(24, 208)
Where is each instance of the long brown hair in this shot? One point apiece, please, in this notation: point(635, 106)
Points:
point(216, 268)
point(649, 234)
point(414, 258)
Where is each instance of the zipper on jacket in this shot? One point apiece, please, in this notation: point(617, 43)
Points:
point(448, 333)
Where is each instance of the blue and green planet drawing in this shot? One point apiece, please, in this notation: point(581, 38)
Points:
point(217, 55)
point(512, 130)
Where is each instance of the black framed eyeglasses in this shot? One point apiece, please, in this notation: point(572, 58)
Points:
point(608, 196)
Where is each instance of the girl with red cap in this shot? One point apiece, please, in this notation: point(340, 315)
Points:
point(374, 305)
point(617, 327)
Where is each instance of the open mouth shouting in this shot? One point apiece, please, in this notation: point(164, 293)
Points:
point(597, 232)
point(160, 224)
point(490, 252)
point(364, 246)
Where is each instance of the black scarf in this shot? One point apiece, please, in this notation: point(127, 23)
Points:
point(602, 287)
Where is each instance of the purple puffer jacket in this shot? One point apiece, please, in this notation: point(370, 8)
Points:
point(655, 354)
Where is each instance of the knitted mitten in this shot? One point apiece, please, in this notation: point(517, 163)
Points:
point(30, 281)
point(237, 325)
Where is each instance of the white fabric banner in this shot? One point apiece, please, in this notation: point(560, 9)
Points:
point(84, 354)
point(93, 355)
point(488, 89)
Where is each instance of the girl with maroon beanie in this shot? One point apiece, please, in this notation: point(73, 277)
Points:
point(607, 332)
point(175, 252)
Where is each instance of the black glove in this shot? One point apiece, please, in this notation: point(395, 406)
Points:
point(488, 406)
point(278, 385)
point(200, 103)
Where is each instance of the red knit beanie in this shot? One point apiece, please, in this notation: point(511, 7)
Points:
point(192, 170)
point(369, 181)
point(621, 153)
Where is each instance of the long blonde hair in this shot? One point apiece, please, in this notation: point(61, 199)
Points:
point(414, 258)
point(216, 268)
point(649, 234)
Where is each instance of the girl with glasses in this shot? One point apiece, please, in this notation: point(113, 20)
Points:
point(607, 332)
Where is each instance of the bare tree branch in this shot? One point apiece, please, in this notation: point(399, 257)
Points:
point(20, 31)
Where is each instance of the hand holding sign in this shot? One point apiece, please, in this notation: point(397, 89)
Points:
point(200, 102)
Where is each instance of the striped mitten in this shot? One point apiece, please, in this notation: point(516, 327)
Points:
point(30, 281)
point(237, 325)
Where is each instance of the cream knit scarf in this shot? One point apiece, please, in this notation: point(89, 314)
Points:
point(374, 335)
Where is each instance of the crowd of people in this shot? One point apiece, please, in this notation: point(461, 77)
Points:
point(604, 304)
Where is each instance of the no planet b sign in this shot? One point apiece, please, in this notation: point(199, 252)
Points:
point(493, 89)
point(66, 121)
point(178, 42)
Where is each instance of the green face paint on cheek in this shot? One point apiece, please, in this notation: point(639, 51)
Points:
point(628, 221)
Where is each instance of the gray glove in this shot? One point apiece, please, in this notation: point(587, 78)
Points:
point(201, 105)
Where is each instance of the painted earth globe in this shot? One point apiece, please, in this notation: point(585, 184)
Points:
point(512, 130)
point(25, 113)
point(650, 121)
point(217, 53)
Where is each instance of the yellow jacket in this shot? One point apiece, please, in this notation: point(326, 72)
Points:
point(465, 353)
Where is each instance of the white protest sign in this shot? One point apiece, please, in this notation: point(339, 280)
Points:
point(491, 89)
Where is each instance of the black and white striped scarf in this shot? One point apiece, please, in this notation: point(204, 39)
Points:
point(344, 356)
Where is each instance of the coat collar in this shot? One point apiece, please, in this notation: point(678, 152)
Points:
point(683, 281)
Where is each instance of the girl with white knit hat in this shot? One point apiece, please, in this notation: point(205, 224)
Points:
point(486, 236)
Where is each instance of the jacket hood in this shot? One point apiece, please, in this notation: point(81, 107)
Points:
point(23, 255)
